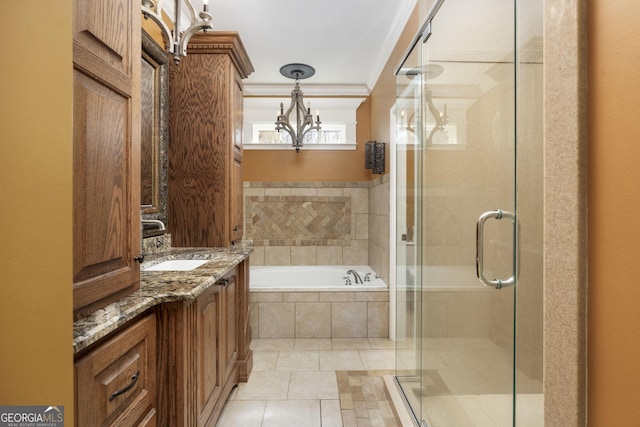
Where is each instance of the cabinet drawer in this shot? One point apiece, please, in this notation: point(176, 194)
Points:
point(116, 382)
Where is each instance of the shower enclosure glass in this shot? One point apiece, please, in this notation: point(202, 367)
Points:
point(469, 215)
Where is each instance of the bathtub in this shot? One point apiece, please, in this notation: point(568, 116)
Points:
point(313, 278)
point(314, 302)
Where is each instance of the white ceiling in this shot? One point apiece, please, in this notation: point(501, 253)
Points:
point(346, 41)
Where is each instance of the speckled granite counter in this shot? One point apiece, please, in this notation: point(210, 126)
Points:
point(157, 287)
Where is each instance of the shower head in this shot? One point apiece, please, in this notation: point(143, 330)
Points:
point(429, 71)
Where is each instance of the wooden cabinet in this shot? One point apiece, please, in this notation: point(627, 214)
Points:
point(199, 347)
point(216, 344)
point(116, 382)
point(106, 152)
point(205, 153)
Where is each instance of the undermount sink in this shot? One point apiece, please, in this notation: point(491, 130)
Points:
point(177, 265)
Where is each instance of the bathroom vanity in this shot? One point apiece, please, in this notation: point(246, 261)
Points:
point(156, 347)
point(171, 352)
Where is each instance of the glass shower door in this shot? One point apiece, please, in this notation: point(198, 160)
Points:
point(465, 214)
point(468, 221)
point(408, 282)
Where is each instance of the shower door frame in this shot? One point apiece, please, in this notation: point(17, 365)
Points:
point(424, 34)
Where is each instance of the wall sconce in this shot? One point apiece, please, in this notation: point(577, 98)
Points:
point(374, 157)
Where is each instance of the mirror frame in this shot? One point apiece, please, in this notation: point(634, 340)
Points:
point(157, 57)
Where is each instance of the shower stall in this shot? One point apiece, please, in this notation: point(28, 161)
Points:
point(468, 149)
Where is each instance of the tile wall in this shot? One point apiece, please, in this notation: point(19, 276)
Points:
point(319, 223)
point(359, 314)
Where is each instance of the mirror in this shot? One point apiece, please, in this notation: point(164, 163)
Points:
point(154, 140)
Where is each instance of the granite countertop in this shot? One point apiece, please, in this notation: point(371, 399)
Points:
point(157, 287)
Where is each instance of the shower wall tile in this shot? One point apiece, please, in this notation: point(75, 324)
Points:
point(330, 192)
point(258, 192)
point(361, 222)
point(257, 256)
point(277, 255)
point(309, 192)
point(359, 198)
point(379, 260)
point(277, 192)
point(357, 253)
point(329, 255)
point(379, 198)
point(304, 255)
point(380, 227)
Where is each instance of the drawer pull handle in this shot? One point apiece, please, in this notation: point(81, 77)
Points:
point(134, 380)
point(224, 281)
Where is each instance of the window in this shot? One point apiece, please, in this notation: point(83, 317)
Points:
point(265, 133)
point(338, 127)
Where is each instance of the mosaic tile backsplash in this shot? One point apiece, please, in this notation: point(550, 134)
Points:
point(299, 220)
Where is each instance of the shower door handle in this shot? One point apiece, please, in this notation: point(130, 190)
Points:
point(497, 214)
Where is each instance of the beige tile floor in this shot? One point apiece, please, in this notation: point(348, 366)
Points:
point(293, 382)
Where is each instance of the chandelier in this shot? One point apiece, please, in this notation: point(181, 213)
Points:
point(304, 119)
point(177, 38)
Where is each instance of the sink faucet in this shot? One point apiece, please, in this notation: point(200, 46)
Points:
point(156, 222)
point(356, 276)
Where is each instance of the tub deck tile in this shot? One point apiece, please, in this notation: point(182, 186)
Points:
point(300, 296)
point(337, 296)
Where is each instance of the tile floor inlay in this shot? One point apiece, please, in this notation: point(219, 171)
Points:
point(364, 399)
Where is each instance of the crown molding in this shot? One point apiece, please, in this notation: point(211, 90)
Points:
point(270, 103)
point(399, 23)
point(309, 89)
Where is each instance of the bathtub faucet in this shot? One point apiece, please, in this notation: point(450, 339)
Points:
point(356, 276)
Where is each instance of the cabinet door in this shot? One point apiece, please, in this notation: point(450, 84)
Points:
point(116, 382)
point(106, 152)
point(236, 210)
point(236, 218)
point(237, 108)
point(210, 382)
point(230, 353)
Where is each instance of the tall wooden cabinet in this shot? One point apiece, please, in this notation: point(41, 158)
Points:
point(106, 151)
point(205, 153)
